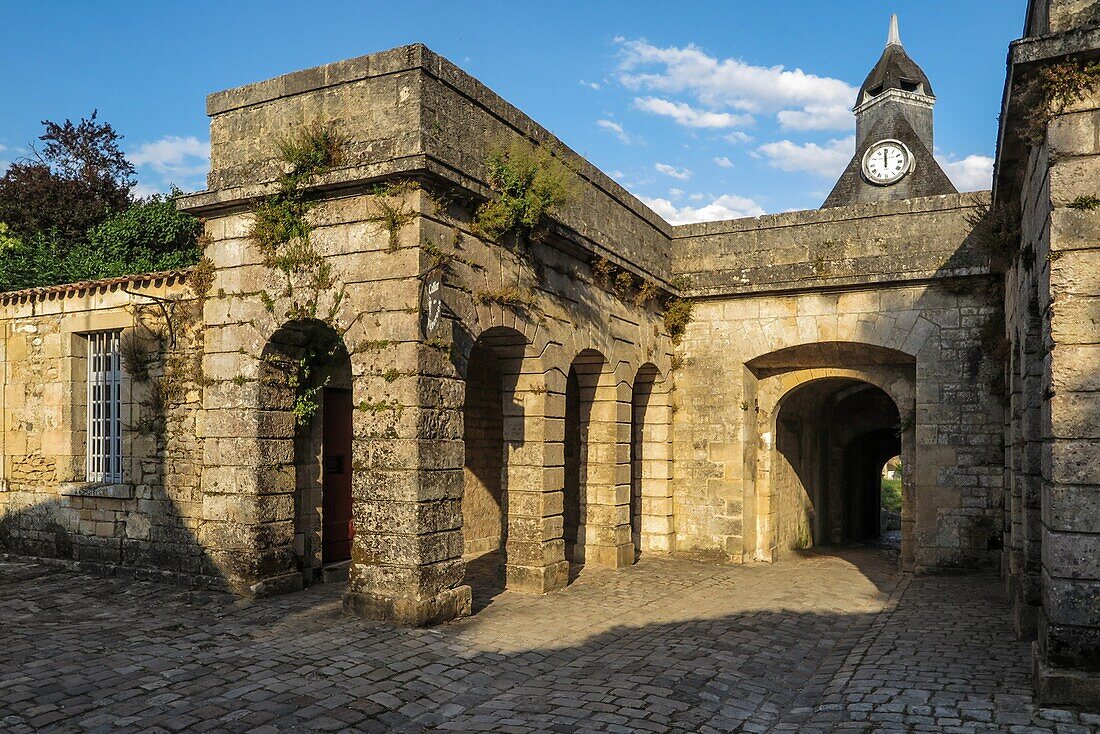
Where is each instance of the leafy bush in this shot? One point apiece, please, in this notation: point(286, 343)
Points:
point(68, 214)
point(891, 495)
point(530, 183)
point(677, 317)
point(150, 235)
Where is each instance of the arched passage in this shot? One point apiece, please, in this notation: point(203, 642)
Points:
point(493, 415)
point(832, 437)
point(305, 392)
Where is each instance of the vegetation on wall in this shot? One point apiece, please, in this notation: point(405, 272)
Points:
point(510, 296)
point(281, 228)
point(530, 183)
point(68, 213)
point(1086, 202)
point(640, 292)
point(996, 231)
point(1052, 89)
point(388, 209)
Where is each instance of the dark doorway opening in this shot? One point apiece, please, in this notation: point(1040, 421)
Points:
point(833, 436)
point(337, 528)
point(573, 463)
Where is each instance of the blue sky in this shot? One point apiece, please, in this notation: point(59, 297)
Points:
point(683, 102)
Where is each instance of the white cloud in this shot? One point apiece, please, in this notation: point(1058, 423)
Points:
point(143, 190)
point(727, 206)
point(617, 129)
point(817, 117)
point(973, 173)
point(737, 137)
point(681, 174)
point(686, 115)
point(822, 160)
point(175, 160)
point(723, 161)
point(799, 100)
point(590, 85)
point(675, 193)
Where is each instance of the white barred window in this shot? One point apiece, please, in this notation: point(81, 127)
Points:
point(104, 407)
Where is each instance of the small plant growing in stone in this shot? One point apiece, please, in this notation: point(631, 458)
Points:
point(201, 278)
point(677, 317)
point(136, 356)
point(388, 210)
point(1051, 90)
point(624, 284)
point(602, 270)
point(510, 296)
point(530, 183)
point(312, 150)
point(1087, 202)
point(996, 229)
point(646, 292)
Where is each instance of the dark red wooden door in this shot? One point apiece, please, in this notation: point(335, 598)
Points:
point(337, 528)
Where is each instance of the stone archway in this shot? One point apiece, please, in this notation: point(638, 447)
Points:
point(489, 412)
point(305, 385)
point(813, 403)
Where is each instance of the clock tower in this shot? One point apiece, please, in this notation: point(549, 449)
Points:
point(893, 158)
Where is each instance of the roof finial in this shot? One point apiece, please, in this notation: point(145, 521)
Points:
point(895, 36)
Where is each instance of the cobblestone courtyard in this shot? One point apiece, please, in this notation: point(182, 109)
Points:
point(817, 643)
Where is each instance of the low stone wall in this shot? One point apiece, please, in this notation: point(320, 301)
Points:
point(150, 521)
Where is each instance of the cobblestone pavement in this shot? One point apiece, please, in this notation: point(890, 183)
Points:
point(815, 643)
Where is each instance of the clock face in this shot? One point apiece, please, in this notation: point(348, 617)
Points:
point(886, 162)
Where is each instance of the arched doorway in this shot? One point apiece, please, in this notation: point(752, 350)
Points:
point(492, 413)
point(832, 437)
point(306, 391)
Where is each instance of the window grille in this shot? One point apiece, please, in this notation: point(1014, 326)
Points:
point(104, 403)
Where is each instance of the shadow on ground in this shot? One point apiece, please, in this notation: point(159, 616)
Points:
point(668, 645)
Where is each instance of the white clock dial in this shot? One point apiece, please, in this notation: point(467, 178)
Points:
point(886, 162)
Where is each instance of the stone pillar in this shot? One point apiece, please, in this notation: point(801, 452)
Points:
point(534, 432)
point(607, 528)
point(1068, 648)
point(407, 563)
point(658, 527)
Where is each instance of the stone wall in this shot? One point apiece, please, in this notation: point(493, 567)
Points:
point(536, 303)
point(897, 295)
point(1052, 537)
point(149, 522)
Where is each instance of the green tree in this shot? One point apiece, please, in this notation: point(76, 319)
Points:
point(68, 214)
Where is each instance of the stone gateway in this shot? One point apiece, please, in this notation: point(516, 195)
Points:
point(387, 373)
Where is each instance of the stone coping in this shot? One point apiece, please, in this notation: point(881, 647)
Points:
point(414, 57)
point(943, 202)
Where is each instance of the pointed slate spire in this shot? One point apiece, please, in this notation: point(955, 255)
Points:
point(895, 35)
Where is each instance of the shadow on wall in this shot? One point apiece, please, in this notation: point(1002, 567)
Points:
point(114, 537)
